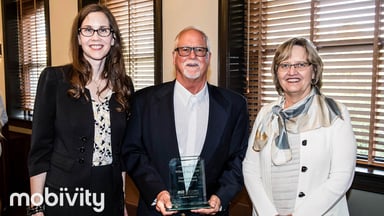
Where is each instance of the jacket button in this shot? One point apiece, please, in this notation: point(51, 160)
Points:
point(304, 142)
point(82, 149)
point(304, 169)
point(301, 194)
point(81, 160)
point(84, 139)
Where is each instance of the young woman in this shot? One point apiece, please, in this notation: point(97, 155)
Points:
point(79, 122)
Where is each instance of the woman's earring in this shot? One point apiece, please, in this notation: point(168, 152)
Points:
point(313, 82)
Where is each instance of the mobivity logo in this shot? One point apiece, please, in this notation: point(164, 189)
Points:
point(80, 197)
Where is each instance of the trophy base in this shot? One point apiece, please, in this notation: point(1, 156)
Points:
point(188, 207)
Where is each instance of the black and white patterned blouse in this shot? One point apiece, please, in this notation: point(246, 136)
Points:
point(102, 154)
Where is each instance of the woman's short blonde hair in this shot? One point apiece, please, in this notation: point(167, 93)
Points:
point(284, 51)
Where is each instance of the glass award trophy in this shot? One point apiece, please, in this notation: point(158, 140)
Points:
point(187, 178)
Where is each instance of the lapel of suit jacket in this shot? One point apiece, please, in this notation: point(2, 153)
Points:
point(218, 115)
point(165, 119)
point(82, 116)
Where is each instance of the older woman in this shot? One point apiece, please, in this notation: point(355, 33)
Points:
point(302, 150)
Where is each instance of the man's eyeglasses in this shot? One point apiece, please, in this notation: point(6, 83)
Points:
point(186, 51)
point(102, 32)
point(298, 66)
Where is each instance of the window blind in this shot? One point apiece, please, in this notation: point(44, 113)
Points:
point(136, 23)
point(32, 48)
point(348, 35)
point(231, 45)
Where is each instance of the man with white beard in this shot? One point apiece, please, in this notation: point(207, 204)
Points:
point(182, 118)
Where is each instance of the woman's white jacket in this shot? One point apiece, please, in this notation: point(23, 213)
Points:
point(329, 155)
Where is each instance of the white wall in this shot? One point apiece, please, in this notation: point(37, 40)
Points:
point(178, 14)
point(61, 18)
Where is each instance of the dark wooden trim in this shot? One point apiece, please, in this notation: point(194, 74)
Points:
point(231, 60)
point(158, 4)
point(368, 178)
point(82, 3)
point(48, 32)
point(20, 122)
point(222, 65)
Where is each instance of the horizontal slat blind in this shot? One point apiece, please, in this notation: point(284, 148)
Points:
point(32, 49)
point(136, 23)
point(349, 36)
point(345, 35)
point(235, 71)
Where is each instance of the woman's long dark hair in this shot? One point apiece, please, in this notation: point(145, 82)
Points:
point(114, 69)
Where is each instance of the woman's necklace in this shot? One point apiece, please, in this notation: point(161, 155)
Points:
point(97, 84)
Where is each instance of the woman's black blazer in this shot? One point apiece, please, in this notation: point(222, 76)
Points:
point(63, 133)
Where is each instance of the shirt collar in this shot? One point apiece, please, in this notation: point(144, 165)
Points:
point(185, 95)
